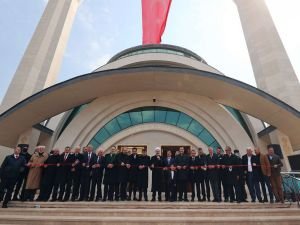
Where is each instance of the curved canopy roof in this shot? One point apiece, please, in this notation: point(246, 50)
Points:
point(82, 89)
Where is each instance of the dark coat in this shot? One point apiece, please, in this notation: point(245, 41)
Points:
point(78, 157)
point(166, 164)
point(133, 172)
point(64, 170)
point(12, 167)
point(232, 169)
point(157, 172)
point(201, 171)
point(255, 169)
point(193, 174)
point(50, 170)
point(143, 173)
point(123, 171)
point(212, 162)
point(110, 174)
point(182, 160)
point(98, 171)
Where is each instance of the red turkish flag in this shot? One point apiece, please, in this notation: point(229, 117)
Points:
point(155, 14)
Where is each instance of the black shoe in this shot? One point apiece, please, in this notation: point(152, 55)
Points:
point(135, 199)
point(271, 201)
point(261, 201)
point(186, 200)
point(208, 199)
point(4, 206)
point(231, 201)
point(15, 199)
point(139, 200)
point(146, 199)
point(203, 199)
point(225, 200)
point(253, 201)
point(159, 199)
point(153, 200)
point(104, 200)
point(192, 200)
point(265, 200)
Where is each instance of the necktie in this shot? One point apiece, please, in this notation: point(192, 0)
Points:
point(17, 156)
point(89, 157)
point(66, 156)
point(98, 159)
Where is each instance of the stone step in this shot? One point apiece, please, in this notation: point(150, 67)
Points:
point(148, 205)
point(104, 212)
point(74, 220)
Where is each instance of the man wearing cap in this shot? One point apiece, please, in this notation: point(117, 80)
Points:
point(156, 163)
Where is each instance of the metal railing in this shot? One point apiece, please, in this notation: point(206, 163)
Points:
point(291, 186)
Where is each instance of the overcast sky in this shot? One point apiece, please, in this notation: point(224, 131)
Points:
point(102, 28)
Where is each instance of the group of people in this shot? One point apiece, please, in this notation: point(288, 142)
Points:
point(123, 175)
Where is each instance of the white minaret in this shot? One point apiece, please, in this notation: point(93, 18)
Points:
point(272, 68)
point(42, 59)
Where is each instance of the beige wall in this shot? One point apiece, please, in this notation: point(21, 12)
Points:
point(211, 115)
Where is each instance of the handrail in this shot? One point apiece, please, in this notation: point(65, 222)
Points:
point(291, 186)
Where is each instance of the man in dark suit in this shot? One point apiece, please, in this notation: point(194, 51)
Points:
point(213, 173)
point(11, 168)
point(49, 175)
point(167, 162)
point(76, 173)
point(142, 174)
point(21, 183)
point(88, 160)
point(230, 166)
point(156, 163)
point(182, 165)
point(276, 180)
point(110, 175)
point(122, 162)
point(242, 179)
point(64, 176)
point(221, 176)
point(97, 175)
point(193, 175)
point(202, 175)
point(250, 163)
point(133, 171)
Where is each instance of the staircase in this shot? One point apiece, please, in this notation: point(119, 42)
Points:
point(131, 213)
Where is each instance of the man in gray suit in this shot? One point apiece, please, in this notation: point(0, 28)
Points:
point(276, 180)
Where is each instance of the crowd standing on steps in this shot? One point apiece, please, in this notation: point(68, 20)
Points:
point(76, 175)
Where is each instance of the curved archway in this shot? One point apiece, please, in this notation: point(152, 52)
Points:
point(153, 114)
point(65, 95)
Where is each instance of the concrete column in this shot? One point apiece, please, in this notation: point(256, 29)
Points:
point(272, 68)
point(42, 59)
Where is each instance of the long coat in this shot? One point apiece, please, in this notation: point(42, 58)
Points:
point(35, 171)
point(143, 173)
point(111, 174)
point(182, 160)
point(157, 172)
point(133, 172)
point(123, 171)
